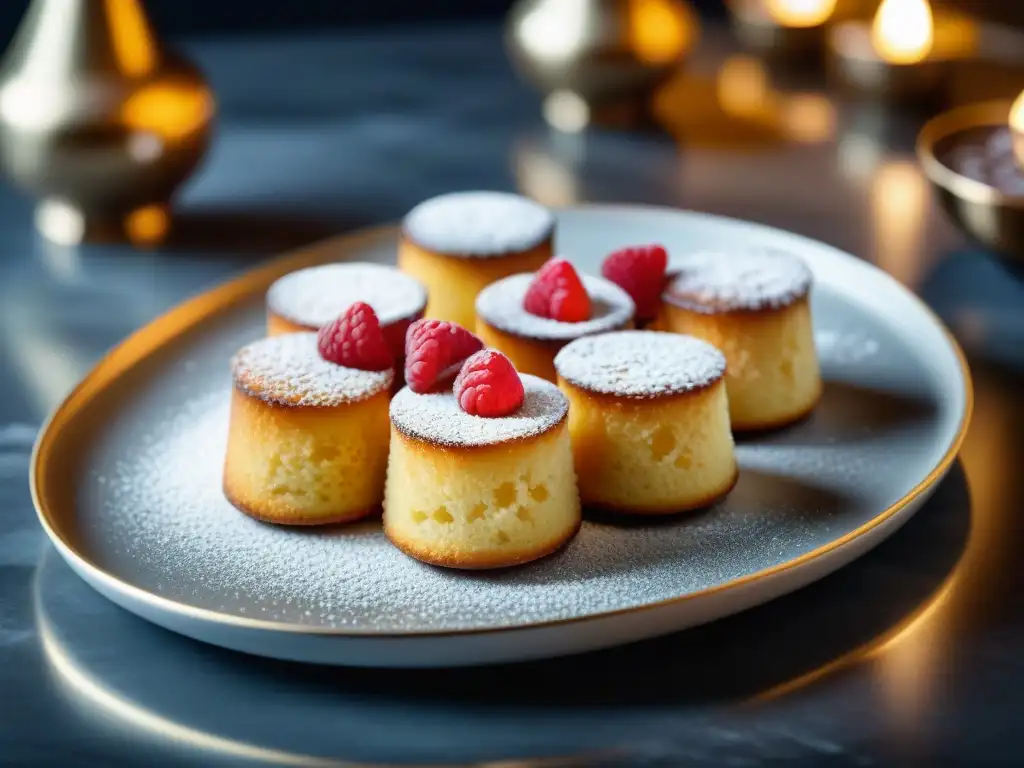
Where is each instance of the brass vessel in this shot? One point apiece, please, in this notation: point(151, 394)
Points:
point(98, 120)
point(587, 54)
point(757, 31)
point(778, 42)
point(984, 212)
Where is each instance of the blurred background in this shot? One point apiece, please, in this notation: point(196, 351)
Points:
point(334, 115)
point(179, 17)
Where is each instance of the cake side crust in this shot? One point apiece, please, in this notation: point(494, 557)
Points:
point(713, 497)
point(266, 516)
point(481, 561)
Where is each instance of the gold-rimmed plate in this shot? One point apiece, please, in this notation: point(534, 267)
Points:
point(126, 478)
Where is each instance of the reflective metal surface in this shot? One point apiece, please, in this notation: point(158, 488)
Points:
point(796, 37)
point(589, 55)
point(791, 33)
point(909, 656)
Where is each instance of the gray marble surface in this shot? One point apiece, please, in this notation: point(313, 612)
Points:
point(909, 656)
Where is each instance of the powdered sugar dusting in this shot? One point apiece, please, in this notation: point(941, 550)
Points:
point(501, 305)
point(711, 281)
point(316, 296)
point(149, 508)
point(288, 370)
point(163, 524)
point(437, 417)
point(478, 224)
point(640, 364)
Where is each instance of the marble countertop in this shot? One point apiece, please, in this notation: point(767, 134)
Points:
point(909, 656)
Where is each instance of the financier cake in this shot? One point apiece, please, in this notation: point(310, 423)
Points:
point(308, 438)
point(755, 307)
point(309, 299)
point(649, 420)
point(458, 243)
point(532, 341)
point(469, 491)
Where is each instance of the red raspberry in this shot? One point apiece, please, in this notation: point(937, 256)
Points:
point(640, 272)
point(488, 385)
point(355, 340)
point(556, 291)
point(434, 351)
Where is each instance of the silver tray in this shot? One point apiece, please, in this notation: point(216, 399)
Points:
point(126, 479)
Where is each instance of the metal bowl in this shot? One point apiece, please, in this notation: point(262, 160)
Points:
point(600, 50)
point(982, 211)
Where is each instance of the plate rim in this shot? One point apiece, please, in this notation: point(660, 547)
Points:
point(189, 313)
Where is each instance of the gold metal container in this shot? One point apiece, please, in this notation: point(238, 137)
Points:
point(98, 120)
point(587, 54)
point(984, 212)
point(788, 32)
point(758, 31)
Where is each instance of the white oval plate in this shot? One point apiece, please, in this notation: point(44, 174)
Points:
point(126, 479)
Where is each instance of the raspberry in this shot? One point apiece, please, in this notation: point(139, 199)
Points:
point(355, 340)
point(556, 291)
point(434, 351)
point(488, 385)
point(640, 272)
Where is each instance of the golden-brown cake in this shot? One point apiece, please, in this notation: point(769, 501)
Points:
point(531, 342)
point(309, 299)
point(755, 307)
point(308, 439)
point(456, 244)
point(469, 491)
point(649, 420)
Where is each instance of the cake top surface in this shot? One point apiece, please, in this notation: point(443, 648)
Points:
point(640, 364)
point(316, 296)
point(437, 417)
point(501, 304)
point(717, 281)
point(288, 370)
point(478, 224)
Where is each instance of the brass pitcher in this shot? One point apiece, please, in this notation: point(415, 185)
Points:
point(99, 121)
